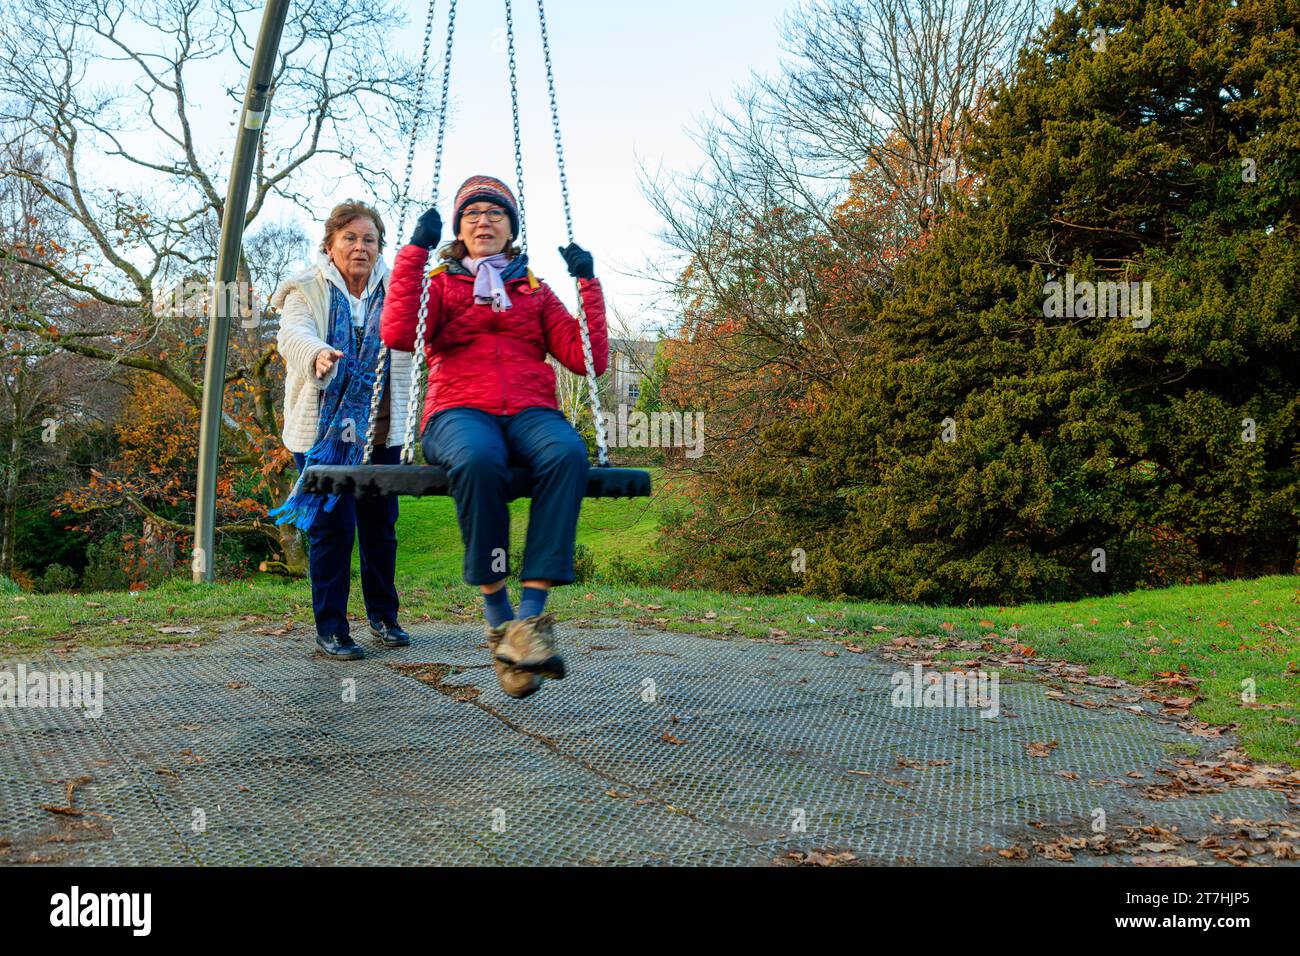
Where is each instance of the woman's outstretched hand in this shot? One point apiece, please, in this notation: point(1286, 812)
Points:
point(581, 264)
point(325, 360)
point(428, 228)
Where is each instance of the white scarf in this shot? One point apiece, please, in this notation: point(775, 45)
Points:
point(488, 286)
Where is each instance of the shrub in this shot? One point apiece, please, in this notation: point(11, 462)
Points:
point(106, 565)
point(622, 572)
point(57, 577)
point(584, 564)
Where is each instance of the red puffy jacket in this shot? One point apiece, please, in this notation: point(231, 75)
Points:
point(493, 361)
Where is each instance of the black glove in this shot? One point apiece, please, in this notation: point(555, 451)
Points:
point(427, 230)
point(581, 265)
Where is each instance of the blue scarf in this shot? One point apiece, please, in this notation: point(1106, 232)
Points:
point(344, 406)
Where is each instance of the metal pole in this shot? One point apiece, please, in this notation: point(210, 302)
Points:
point(232, 237)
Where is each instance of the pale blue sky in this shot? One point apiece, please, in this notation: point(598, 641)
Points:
point(632, 78)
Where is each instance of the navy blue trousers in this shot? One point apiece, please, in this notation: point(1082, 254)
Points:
point(477, 449)
point(374, 522)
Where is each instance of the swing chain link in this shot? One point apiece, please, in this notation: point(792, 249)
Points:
point(442, 105)
point(381, 373)
point(593, 387)
point(415, 121)
point(417, 363)
point(555, 120)
point(422, 317)
point(514, 105)
point(383, 363)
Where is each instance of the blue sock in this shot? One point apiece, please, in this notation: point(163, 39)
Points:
point(532, 601)
point(496, 606)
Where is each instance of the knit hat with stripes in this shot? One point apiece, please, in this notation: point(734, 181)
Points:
point(486, 189)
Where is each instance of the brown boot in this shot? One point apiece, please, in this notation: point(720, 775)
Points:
point(514, 682)
point(529, 645)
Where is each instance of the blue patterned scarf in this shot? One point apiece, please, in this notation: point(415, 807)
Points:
point(344, 406)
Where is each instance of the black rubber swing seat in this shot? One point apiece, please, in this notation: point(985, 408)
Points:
point(419, 481)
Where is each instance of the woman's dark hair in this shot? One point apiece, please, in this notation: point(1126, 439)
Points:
point(344, 213)
point(456, 249)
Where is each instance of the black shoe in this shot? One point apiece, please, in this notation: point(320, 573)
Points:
point(390, 635)
point(339, 646)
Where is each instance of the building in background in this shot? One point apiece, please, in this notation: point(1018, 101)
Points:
point(630, 361)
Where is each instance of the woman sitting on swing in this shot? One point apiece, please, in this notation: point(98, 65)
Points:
point(492, 402)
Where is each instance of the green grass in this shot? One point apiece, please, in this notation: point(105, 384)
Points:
point(428, 539)
point(1221, 633)
point(428, 579)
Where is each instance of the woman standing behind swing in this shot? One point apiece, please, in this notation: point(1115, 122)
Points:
point(492, 402)
point(329, 340)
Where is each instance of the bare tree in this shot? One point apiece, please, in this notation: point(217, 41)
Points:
point(137, 174)
point(37, 382)
point(892, 85)
point(815, 185)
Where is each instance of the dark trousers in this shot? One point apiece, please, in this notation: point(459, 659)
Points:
point(374, 522)
point(477, 449)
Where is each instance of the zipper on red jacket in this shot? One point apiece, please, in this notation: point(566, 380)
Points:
point(501, 372)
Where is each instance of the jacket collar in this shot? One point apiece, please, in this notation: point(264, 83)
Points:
point(517, 269)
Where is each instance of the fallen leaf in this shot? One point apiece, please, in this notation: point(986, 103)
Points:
point(1054, 851)
point(1165, 861)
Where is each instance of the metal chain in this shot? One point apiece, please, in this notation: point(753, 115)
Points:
point(514, 104)
point(422, 317)
point(555, 120)
point(381, 373)
point(442, 105)
point(415, 122)
point(382, 364)
point(593, 388)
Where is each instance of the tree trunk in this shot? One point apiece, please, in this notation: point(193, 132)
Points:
point(8, 544)
point(293, 552)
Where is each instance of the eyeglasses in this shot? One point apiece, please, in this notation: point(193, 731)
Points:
point(493, 215)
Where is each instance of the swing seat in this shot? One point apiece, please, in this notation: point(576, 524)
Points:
point(418, 481)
